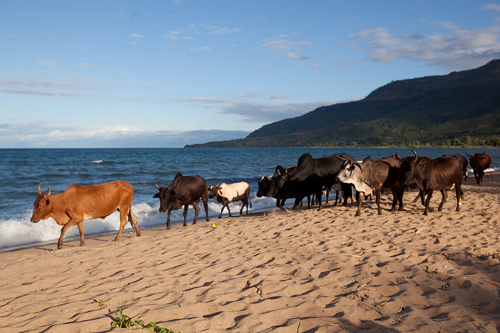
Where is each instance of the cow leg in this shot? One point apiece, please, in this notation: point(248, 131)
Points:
point(296, 204)
point(204, 198)
point(243, 206)
point(186, 206)
point(196, 206)
point(429, 195)
point(71, 222)
point(458, 189)
point(400, 198)
point(133, 221)
point(444, 195)
point(123, 221)
point(360, 201)
point(377, 200)
point(394, 199)
point(309, 201)
point(336, 198)
point(168, 219)
point(346, 192)
point(319, 195)
point(419, 196)
point(80, 228)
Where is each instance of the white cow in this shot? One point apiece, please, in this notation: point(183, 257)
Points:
point(227, 193)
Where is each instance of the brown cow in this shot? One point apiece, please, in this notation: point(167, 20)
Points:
point(433, 174)
point(372, 177)
point(479, 163)
point(81, 203)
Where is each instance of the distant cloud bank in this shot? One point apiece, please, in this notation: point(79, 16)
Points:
point(31, 135)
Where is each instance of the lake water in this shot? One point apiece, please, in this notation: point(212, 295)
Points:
point(21, 170)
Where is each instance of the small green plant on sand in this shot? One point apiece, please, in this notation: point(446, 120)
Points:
point(125, 321)
point(101, 303)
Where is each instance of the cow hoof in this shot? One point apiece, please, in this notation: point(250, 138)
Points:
point(59, 246)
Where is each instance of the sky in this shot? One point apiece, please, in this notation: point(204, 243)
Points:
point(106, 74)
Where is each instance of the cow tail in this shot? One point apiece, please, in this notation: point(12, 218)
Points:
point(250, 202)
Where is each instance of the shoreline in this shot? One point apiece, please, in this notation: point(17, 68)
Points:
point(307, 271)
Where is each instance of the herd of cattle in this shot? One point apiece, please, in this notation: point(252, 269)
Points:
point(310, 177)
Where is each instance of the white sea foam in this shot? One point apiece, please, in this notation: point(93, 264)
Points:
point(20, 232)
point(97, 162)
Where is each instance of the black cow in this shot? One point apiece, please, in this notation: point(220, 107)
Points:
point(310, 177)
point(433, 174)
point(266, 185)
point(183, 191)
point(479, 162)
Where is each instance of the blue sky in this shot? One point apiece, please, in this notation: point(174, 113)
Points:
point(174, 72)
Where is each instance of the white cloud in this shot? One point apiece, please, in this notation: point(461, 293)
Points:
point(289, 49)
point(45, 62)
point(206, 48)
point(30, 135)
point(257, 112)
point(457, 49)
point(491, 7)
point(57, 89)
point(136, 36)
point(83, 66)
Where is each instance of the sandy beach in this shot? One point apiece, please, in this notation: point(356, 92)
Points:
point(307, 271)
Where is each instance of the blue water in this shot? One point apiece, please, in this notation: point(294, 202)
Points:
point(21, 170)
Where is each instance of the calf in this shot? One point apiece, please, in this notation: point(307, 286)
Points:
point(227, 193)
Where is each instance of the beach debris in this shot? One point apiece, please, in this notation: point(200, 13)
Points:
point(215, 224)
point(248, 285)
point(26, 283)
point(419, 230)
point(446, 267)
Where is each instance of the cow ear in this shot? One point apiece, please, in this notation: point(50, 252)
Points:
point(172, 192)
point(157, 195)
point(47, 202)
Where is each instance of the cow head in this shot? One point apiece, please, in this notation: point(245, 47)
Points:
point(43, 206)
point(281, 177)
point(348, 172)
point(265, 186)
point(167, 199)
point(213, 190)
point(408, 167)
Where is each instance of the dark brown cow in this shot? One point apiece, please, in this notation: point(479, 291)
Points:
point(374, 176)
point(433, 174)
point(479, 162)
point(183, 191)
point(80, 203)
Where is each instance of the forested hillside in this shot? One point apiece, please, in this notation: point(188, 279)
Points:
point(458, 109)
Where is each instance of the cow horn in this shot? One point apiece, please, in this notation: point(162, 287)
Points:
point(399, 158)
point(416, 156)
point(468, 155)
point(48, 192)
point(39, 190)
point(158, 187)
point(359, 166)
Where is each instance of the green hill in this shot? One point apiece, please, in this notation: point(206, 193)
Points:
point(461, 108)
